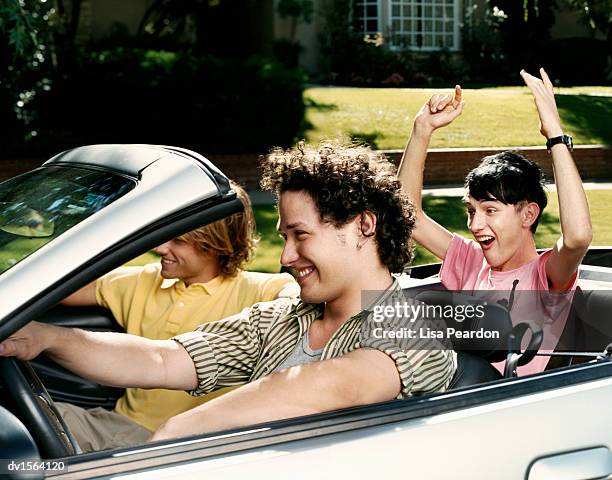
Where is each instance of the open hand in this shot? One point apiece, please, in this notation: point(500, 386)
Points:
point(440, 110)
point(544, 98)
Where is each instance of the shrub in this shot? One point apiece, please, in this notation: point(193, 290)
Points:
point(129, 95)
point(589, 59)
point(366, 61)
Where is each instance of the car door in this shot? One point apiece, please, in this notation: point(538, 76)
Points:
point(550, 425)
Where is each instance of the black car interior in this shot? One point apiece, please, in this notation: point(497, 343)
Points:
point(63, 385)
point(475, 355)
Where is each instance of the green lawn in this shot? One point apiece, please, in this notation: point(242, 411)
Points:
point(493, 117)
point(450, 212)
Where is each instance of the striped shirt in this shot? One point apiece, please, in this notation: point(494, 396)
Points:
point(250, 345)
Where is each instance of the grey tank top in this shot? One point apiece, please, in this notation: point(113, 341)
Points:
point(302, 354)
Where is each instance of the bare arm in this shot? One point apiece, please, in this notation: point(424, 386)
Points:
point(575, 218)
point(84, 297)
point(109, 358)
point(438, 112)
point(357, 378)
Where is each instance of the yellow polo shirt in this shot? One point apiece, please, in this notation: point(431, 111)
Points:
point(145, 304)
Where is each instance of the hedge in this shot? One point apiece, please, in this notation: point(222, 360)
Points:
point(174, 98)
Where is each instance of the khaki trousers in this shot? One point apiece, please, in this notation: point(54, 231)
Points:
point(99, 429)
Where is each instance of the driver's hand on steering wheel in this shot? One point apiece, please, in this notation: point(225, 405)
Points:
point(27, 343)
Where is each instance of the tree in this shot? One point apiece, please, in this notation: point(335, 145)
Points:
point(525, 32)
point(27, 58)
point(598, 15)
point(297, 11)
point(219, 27)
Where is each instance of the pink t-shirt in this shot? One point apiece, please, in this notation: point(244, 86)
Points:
point(465, 268)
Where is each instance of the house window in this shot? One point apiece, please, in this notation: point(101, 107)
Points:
point(366, 16)
point(424, 25)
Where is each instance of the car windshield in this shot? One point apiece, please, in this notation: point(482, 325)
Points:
point(40, 205)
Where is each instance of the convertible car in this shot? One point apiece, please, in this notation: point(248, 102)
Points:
point(91, 209)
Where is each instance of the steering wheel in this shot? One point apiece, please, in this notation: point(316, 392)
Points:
point(37, 410)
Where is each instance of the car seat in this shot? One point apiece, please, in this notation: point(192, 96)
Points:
point(475, 355)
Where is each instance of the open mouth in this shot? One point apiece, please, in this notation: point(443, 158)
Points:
point(485, 241)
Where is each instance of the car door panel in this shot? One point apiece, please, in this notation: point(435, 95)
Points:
point(500, 440)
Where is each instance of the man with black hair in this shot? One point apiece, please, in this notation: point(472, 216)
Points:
point(505, 198)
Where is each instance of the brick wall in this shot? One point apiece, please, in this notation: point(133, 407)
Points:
point(243, 168)
point(444, 166)
point(449, 166)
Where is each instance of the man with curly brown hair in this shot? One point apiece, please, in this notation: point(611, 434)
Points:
point(347, 225)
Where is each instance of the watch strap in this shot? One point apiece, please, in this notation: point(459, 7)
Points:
point(565, 139)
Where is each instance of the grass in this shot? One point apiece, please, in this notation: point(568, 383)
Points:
point(267, 256)
point(450, 212)
point(493, 117)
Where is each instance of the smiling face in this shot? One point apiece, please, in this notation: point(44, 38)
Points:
point(503, 231)
point(323, 257)
point(183, 260)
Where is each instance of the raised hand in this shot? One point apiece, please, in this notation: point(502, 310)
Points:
point(544, 98)
point(440, 110)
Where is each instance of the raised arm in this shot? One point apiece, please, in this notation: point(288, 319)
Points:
point(438, 112)
point(574, 215)
point(115, 359)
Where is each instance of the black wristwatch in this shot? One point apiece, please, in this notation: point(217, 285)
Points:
point(566, 139)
